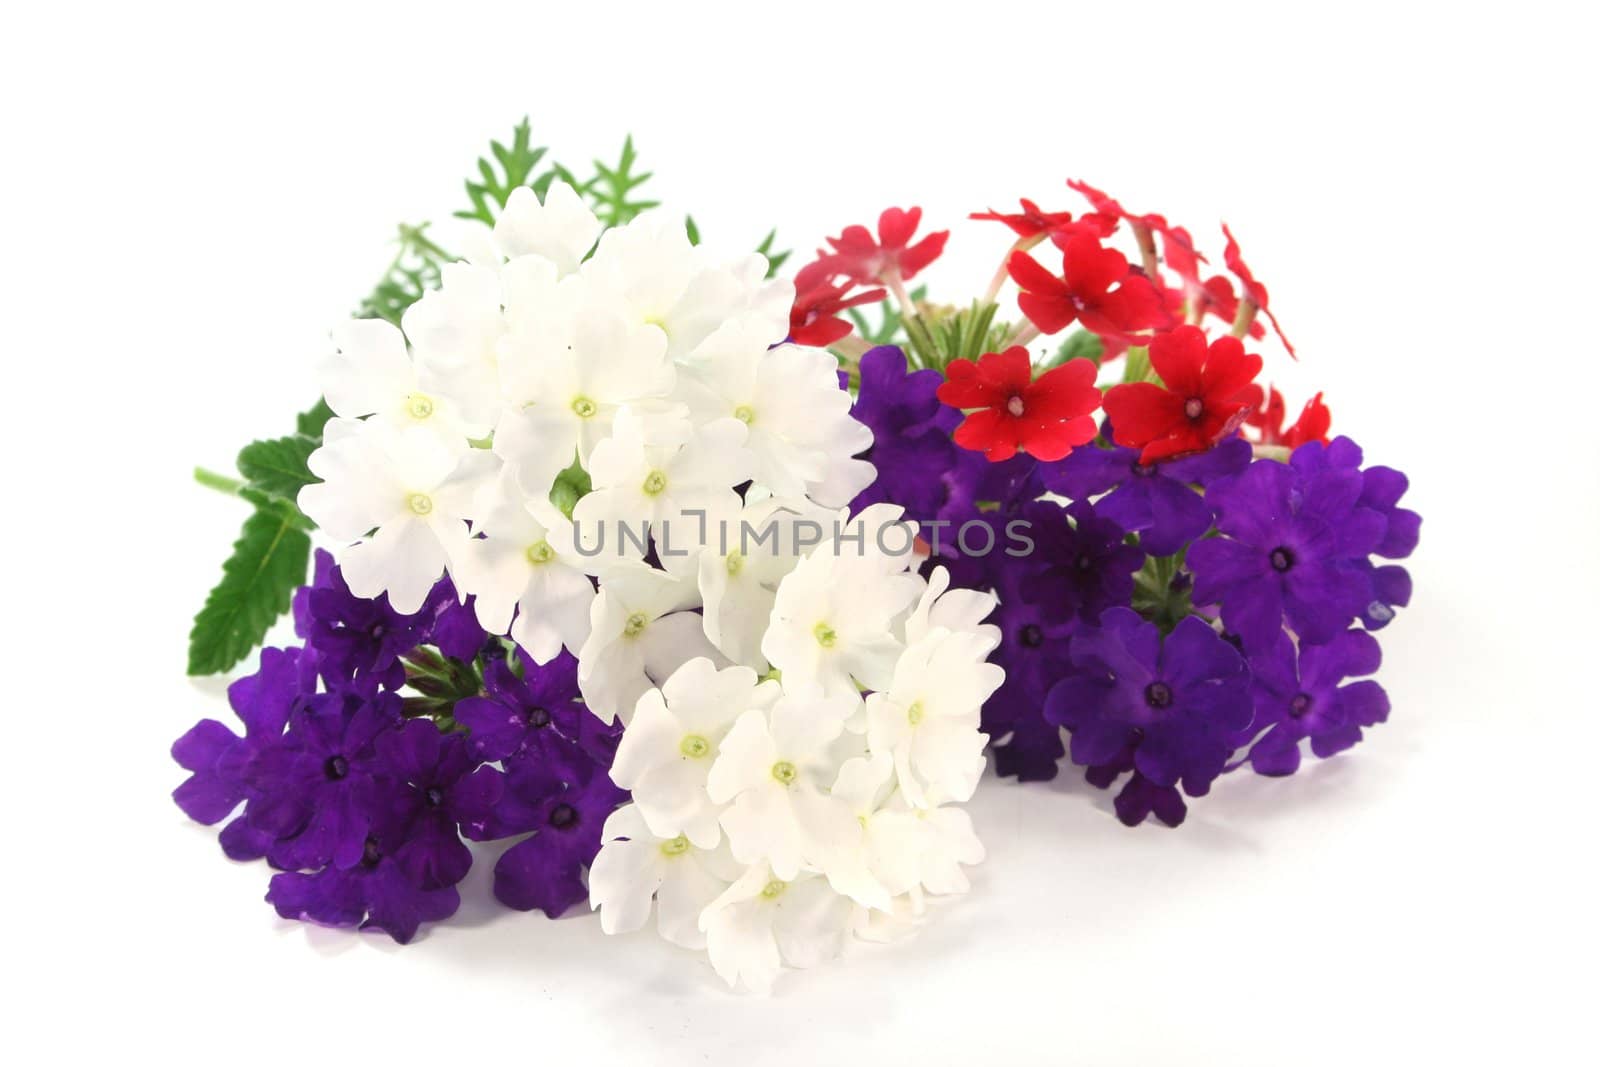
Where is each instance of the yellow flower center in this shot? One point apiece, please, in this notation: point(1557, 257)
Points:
point(676, 847)
point(914, 713)
point(635, 624)
point(420, 503)
point(541, 553)
point(654, 482)
point(419, 405)
point(745, 414)
point(735, 563)
point(694, 746)
point(773, 889)
point(584, 408)
point(784, 771)
point(825, 635)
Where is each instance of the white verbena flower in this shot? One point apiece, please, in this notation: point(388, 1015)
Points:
point(455, 331)
point(773, 769)
point(371, 373)
point(675, 737)
point(656, 475)
point(790, 399)
point(834, 616)
point(524, 562)
point(562, 229)
point(927, 718)
point(636, 867)
point(639, 635)
point(411, 490)
point(761, 922)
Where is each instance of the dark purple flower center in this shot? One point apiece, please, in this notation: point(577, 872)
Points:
point(433, 796)
point(376, 630)
point(1084, 562)
point(1299, 705)
point(1032, 636)
point(336, 768)
point(370, 854)
point(1158, 695)
point(538, 718)
point(1194, 407)
point(1281, 558)
point(1144, 470)
point(563, 816)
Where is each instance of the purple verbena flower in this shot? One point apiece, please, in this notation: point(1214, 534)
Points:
point(1157, 501)
point(1167, 709)
point(1303, 693)
point(1294, 547)
point(374, 893)
point(442, 793)
point(911, 445)
point(358, 642)
point(1080, 568)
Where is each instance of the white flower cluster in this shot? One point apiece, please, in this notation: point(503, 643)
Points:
point(646, 364)
point(771, 819)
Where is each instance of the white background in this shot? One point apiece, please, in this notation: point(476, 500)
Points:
point(193, 195)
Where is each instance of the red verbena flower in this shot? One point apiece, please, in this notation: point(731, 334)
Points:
point(1254, 290)
point(866, 260)
point(1268, 413)
point(1204, 399)
point(1097, 288)
point(1217, 298)
point(814, 319)
point(1044, 417)
point(1031, 222)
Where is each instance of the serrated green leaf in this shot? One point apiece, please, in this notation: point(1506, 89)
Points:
point(277, 467)
point(517, 165)
point(258, 580)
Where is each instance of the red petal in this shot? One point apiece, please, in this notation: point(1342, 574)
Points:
point(1228, 370)
point(990, 432)
point(1050, 312)
point(965, 386)
point(1089, 269)
point(1142, 412)
point(1053, 439)
point(895, 226)
point(1179, 356)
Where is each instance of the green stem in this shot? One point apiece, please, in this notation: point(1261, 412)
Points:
point(220, 482)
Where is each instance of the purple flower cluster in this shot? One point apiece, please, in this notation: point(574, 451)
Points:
point(373, 753)
point(1179, 619)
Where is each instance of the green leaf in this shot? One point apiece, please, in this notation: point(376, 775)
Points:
point(414, 270)
point(310, 423)
point(775, 260)
point(512, 168)
point(612, 188)
point(692, 229)
point(571, 486)
point(258, 580)
point(1080, 344)
point(277, 467)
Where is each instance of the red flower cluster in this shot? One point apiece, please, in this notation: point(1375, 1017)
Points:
point(814, 319)
point(1203, 401)
point(1266, 419)
point(862, 260)
point(828, 286)
point(1097, 287)
point(1033, 222)
point(1045, 417)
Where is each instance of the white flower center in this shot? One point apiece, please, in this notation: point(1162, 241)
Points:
point(1014, 405)
point(419, 406)
point(420, 503)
